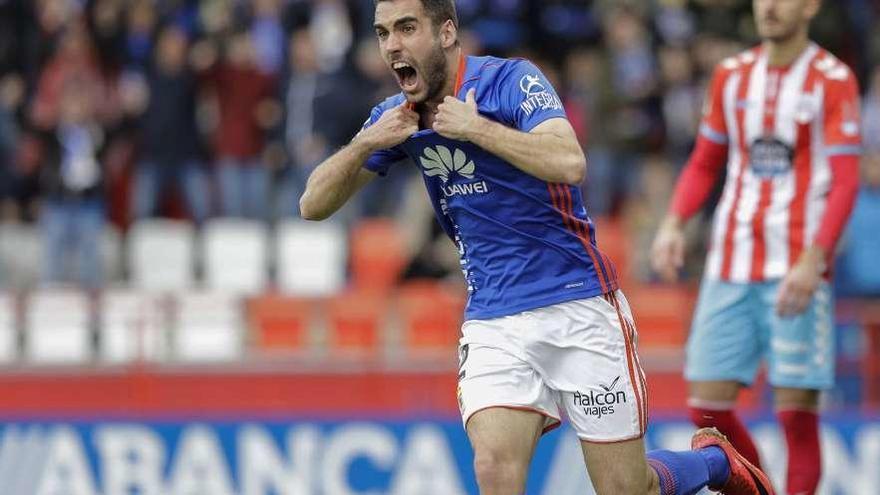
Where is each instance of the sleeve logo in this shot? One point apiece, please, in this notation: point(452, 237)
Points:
point(537, 96)
point(850, 125)
point(531, 85)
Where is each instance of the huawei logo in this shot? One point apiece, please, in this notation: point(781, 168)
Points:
point(440, 161)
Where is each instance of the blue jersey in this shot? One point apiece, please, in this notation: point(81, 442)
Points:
point(524, 243)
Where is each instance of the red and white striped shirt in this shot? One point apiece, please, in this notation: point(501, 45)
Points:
point(782, 127)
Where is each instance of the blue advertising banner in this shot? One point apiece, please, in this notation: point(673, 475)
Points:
point(357, 457)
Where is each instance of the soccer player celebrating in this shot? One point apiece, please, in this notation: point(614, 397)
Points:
point(547, 329)
point(784, 118)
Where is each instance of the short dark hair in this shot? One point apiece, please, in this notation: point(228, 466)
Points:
point(439, 11)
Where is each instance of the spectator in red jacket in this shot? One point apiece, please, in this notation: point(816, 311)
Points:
point(246, 111)
point(75, 59)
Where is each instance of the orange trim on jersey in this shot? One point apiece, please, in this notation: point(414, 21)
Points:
point(612, 299)
point(583, 228)
point(603, 271)
point(615, 278)
point(561, 199)
point(803, 171)
point(632, 363)
point(459, 76)
point(727, 246)
point(640, 374)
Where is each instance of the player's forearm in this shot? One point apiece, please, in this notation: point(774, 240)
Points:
point(333, 182)
point(546, 156)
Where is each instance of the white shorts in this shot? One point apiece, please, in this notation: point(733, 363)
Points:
point(577, 358)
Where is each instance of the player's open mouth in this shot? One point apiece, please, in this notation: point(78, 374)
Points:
point(407, 76)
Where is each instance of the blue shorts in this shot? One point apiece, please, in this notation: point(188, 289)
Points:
point(736, 325)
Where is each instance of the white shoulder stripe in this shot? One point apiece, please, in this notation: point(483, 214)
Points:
point(843, 149)
point(713, 135)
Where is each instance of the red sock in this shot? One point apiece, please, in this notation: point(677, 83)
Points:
point(728, 423)
point(804, 455)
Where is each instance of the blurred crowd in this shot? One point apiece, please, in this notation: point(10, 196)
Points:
point(117, 110)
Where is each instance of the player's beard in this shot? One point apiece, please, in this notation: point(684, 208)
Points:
point(435, 72)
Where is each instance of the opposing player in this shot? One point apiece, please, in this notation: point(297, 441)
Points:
point(784, 118)
point(547, 330)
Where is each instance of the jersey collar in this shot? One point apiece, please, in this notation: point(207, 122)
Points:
point(459, 77)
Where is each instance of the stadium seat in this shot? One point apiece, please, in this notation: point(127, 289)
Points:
point(58, 327)
point(613, 241)
point(21, 256)
point(235, 255)
point(132, 327)
point(160, 255)
point(662, 314)
point(280, 323)
point(111, 253)
point(310, 258)
point(208, 327)
point(8, 328)
point(377, 255)
point(430, 315)
point(354, 323)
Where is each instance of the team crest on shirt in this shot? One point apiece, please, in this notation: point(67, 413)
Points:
point(440, 161)
point(770, 157)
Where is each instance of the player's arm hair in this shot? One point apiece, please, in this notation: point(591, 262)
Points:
point(334, 181)
point(550, 151)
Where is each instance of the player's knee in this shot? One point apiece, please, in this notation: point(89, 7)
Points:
point(496, 471)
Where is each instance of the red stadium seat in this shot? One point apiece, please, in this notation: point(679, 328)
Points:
point(613, 241)
point(662, 313)
point(280, 323)
point(377, 255)
point(430, 316)
point(355, 321)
